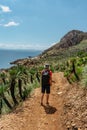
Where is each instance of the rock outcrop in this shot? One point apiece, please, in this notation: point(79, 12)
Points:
point(72, 38)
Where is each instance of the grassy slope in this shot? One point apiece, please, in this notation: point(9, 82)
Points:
point(63, 54)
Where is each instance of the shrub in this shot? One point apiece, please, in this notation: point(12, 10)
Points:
point(84, 77)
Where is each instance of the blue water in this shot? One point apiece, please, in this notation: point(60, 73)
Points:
point(7, 56)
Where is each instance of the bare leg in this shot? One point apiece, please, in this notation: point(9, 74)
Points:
point(42, 98)
point(47, 98)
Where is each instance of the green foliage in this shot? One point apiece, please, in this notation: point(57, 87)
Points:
point(84, 77)
point(13, 73)
point(52, 68)
point(73, 69)
point(73, 78)
point(12, 91)
point(32, 71)
point(79, 70)
point(66, 73)
point(27, 91)
point(3, 88)
point(40, 68)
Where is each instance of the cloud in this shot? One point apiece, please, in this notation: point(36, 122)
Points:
point(5, 8)
point(53, 44)
point(23, 46)
point(12, 23)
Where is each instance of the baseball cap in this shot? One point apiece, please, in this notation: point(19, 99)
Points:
point(46, 66)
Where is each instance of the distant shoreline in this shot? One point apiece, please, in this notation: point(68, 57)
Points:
point(8, 56)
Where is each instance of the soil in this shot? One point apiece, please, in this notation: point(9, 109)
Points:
point(67, 109)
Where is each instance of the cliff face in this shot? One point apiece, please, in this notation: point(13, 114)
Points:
point(72, 38)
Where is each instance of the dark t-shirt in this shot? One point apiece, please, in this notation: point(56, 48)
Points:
point(46, 76)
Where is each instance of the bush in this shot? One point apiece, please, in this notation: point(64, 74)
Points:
point(84, 77)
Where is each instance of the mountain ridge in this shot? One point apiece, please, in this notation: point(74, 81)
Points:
point(72, 38)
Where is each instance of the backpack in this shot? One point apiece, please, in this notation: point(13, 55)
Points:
point(45, 77)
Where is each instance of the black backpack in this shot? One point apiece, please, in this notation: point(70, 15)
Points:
point(45, 77)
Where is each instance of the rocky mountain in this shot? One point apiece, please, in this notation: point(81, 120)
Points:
point(72, 38)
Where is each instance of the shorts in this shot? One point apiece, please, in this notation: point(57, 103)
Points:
point(45, 89)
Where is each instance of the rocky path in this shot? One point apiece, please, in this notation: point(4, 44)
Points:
point(32, 116)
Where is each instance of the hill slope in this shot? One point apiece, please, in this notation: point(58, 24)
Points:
point(72, 38)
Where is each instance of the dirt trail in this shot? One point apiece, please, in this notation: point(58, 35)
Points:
point(32, 116)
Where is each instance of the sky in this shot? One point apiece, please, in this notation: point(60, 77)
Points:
point(39, 24)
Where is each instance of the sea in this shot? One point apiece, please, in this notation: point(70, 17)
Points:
point(7, 56)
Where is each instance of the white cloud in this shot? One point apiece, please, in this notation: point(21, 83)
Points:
point(23, 46)
point(53, 44)
point(12, 23)
point(5, 8)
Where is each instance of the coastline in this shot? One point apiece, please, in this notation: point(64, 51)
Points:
point(7, 57)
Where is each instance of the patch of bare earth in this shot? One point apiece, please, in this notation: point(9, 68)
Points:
point(75, 108)
point(67, 109)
